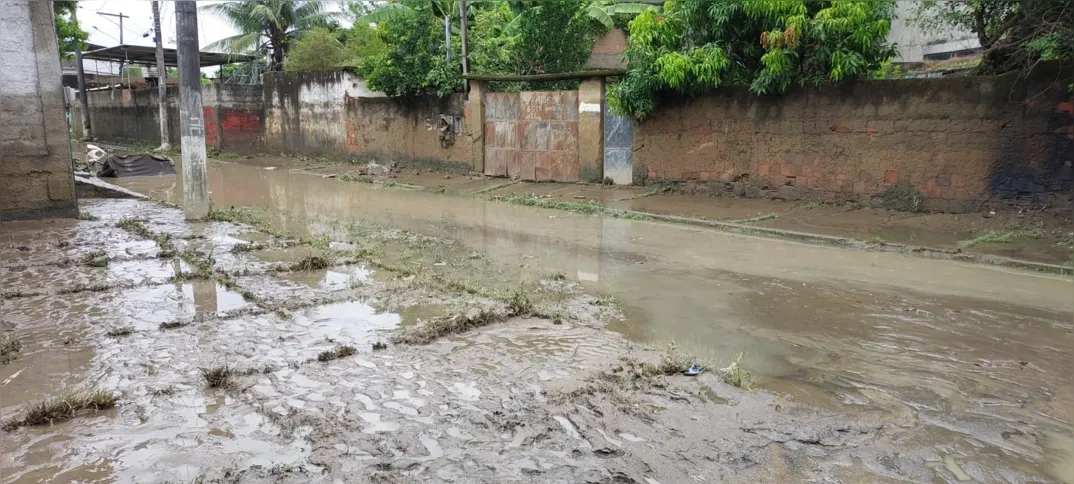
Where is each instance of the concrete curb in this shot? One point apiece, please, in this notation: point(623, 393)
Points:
point(925, 252)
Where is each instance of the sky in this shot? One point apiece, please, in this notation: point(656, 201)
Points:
point(104, 30)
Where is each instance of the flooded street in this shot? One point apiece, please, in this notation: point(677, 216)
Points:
point(898, 369)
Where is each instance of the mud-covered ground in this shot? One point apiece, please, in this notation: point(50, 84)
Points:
point(549, 398)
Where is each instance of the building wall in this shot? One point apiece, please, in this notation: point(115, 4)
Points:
point(914, 43)
point(957, 141)
point(35, 152)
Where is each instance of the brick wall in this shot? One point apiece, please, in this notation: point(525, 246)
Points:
point(957, 141)
point(35, 152)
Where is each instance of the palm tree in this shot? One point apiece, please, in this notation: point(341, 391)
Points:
point(268, 26)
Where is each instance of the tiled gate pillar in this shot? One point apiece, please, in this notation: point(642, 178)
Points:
point(591, 130)
point(475, 123)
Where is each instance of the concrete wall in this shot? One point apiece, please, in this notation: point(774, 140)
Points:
point(335, 114)
point(35, 151)
point(958, 141)
point(234, 116)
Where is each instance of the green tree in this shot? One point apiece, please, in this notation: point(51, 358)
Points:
point(268, 26)
point(1014, 35)
point(69, 34)
point(413, 61)
point(316, 51)
point(540, 37)
point(363, 44)
point(691, 47)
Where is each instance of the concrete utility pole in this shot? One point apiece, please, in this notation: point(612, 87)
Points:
point(191, 122)
point(121, 17)
point(162, 80)
point(87, 132)
point(462, 14)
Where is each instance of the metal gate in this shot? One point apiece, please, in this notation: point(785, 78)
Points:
point(532, 135)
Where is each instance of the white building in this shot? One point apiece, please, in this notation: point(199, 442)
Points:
point(916, 45)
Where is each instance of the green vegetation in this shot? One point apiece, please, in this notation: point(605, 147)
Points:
point(318, 50)
point(219, 376)
point(268, 27)
point(60, 408)
point(68, 32)
point(121, 331)
point(341, 351)
point(1005, 237)
point(759, 218)
point(97, 258)
point(1015, 35)
point(691, 47)
point(10, 346)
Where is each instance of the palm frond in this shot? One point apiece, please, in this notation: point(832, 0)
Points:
point(598, 13)
point(237, 44)
point(385, 13)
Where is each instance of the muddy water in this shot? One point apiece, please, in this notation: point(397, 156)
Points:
point(972, 363)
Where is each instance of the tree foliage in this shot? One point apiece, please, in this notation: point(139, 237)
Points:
point(268, 27)
point(69, 34)
point(691, 47)
point(1014, 34)
point(538, 38)
point(413, 61)
point(316, 51)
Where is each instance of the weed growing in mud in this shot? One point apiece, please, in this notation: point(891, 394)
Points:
point(759, 218)
point(341, 351)
point(173, 324)
point(379, 345)
point(247, 295)
point(218, 377)
point(137, 227)
point(310, 263)
point(587, 208)
point(993, 237)
point(350, 177)
point(438, 327)
point(518, 303)
point(242, 247)
point(97, 258)
point(201, 265)
point(734, 375)
point(10, 346)
point(234, 215)
point(118, 332)
point(60, 408)
point(89, 217)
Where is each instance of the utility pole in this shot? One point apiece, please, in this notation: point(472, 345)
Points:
point(121, 17)
point(191, 122)
point(162, 80)
point(462, 14)
point(87, 132)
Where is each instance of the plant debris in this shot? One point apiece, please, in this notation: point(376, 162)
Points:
point(60, 408)
point(336, 353)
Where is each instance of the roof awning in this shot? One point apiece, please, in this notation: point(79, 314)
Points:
point(148, 55)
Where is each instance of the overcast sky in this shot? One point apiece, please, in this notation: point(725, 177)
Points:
point(104, 30)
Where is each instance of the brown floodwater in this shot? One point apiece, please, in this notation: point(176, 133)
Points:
point(973, 361)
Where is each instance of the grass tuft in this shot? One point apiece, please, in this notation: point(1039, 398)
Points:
point(88, 216)
point(10, 346)
point(436, 328)
point(218, 377)
point(97, 258)
point(60, 408)
point(122, 331)
point(310, 263)
point(341, 351)
point(1006, 237)
point(379, 345)
point(734, 375)
point(759, 218)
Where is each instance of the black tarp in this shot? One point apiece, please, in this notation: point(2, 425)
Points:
point(135, 165)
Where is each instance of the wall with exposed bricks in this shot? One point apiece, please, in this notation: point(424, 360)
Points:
point(959, 141)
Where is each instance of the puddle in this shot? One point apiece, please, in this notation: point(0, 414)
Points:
point(331, 279)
